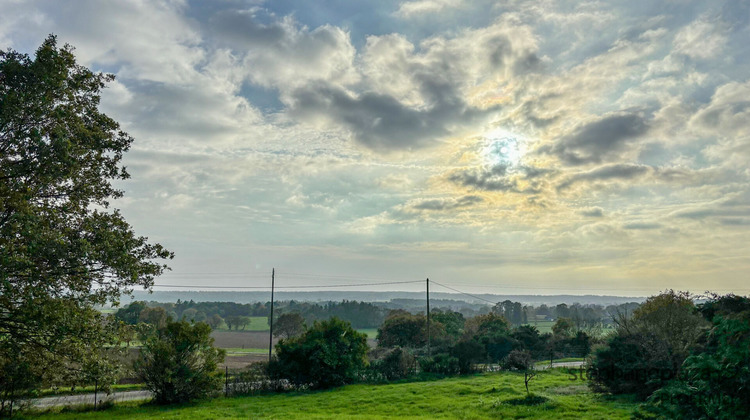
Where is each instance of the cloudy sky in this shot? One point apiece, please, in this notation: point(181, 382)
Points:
point(496, 146)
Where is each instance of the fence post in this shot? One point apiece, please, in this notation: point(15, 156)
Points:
point(226, 381)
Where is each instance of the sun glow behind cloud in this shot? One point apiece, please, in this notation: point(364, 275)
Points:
point(470, 140)
point(501, 148)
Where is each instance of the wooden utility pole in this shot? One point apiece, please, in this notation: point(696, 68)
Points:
point(270, 335)
point(429, 333)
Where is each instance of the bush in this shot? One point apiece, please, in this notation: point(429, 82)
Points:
point(397, 364)
point(329, 354)
point(179, 362)
point(443, 364)
point(468, 353)
point(632, 364)
point(518, 360)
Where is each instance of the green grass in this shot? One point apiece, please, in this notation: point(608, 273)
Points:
point(542, 326)
point(371, 332)
point(257, 323)
point(482, 396)
point(236, 351)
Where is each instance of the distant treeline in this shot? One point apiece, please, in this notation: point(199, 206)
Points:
point(237, 315)
point(363, 314)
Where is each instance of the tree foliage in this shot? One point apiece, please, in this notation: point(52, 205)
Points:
point(289, 325)
point(649, 349)
point(179, 363)
point(330, 353)
point(714, 382)
point(402, 329)
point(61, 250)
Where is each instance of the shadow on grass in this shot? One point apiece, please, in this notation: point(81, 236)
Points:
point(528, 400)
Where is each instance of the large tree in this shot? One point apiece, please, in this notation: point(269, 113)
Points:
point(62, 250)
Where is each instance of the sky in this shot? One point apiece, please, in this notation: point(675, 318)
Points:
point(542, 147)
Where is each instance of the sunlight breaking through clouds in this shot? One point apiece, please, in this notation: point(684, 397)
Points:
point(586, 144)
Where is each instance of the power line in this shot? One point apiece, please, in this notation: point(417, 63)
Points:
point(464, 293)
point(643, 289)
point(316, 286)
point(549, 288)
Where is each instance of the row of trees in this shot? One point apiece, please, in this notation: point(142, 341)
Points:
point(460, 343)
point(237, 316)
point(359, 314)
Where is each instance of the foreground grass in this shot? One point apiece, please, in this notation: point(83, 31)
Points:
point(482, 396)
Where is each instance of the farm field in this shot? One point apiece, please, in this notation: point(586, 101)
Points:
point(481, 396)
point(257, 323)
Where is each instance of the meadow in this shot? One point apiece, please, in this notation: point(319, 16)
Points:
point(257, 323)
point(557, 394)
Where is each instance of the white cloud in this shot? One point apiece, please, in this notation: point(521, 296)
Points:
point(411, 9)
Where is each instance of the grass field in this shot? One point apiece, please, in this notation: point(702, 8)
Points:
point(257, 323)
point(371, 332)
point(484, 396)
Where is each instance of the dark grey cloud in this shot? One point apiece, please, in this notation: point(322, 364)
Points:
point(707, 213)
point(497, 178)
point(735, 221)
point(642, 226)
point(599, 141)
point(593, 212)
point(379, 121)
point(448, 204)
point(608, 173)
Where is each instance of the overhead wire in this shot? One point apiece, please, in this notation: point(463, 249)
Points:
point(464, 293)
point(315, 286)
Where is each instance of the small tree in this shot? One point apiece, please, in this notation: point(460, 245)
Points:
point(521, 360)
point(329, 354)
point(289, 325)
point(214, 321)
point(243, 322)
point(179, 363)
point(563, 328)
point(232, 321)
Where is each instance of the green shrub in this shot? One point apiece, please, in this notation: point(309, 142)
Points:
point(468, 352)
point(179, 362)
point(443, 364)
point(397, 364)
point(329, 354)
